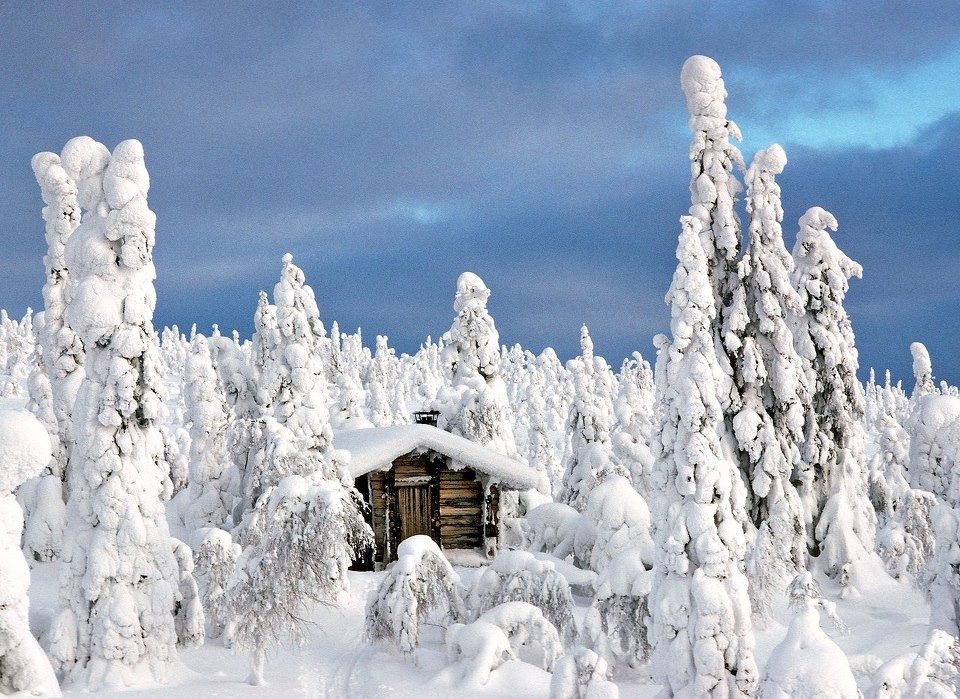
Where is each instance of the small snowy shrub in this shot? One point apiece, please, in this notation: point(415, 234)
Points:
point(420, 587)
point(531, 637)
point(42, 499)
point(188, 614)
point(475, 650)
point(519, 576)
point(807, 663)
point(582, 674)
point(551, 528)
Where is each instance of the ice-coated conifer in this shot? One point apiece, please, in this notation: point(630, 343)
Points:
point(700, 611)
point(834, 486)
point(120, 583)
point(474, 405)
point(769, 377)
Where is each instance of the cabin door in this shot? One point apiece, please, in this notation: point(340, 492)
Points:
point(414, 510)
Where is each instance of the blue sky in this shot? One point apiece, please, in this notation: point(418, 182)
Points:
point(542, 145)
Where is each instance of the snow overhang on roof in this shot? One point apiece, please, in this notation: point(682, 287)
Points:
point(375, 448)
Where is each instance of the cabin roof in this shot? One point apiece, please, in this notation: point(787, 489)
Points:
point(375, 448)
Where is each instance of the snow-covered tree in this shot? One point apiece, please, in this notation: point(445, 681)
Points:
point(301, 538)
point(474, 405)
point(63, 354)
point(700, 610)
point(922, 371)
point(589, 455)
point(41, 498)
point(769, 378)
point(214, 561)
point(834, 487)
point(120, 583)
point(24, 452)
point(208, 500)
point(633, 434)
point(616, 518)
point(713, 195)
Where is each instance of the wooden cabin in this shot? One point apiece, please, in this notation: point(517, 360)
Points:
point(418, 479)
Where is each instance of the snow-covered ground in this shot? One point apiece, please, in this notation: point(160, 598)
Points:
point(888, 619)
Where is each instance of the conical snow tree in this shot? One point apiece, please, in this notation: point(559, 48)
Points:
point(835, 485)
point(120, 582)
point(769, 377)
point(475, 404)
point(700, 610)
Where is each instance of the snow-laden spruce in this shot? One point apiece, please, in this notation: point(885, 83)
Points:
point(120, 585)
point(834, 487)
point(769, 377)
point(208, 502)
point(63, 355)
point(700, 612)
point(589, 455)
point(474, 404)
point(24, 452)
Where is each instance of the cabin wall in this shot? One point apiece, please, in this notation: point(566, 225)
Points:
point(454, 513)
point(461, 509)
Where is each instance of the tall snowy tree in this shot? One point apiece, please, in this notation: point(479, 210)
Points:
point(305, 525)
point(120, 584)
point(475, 403)
point(835, 485)
point(713, 196)
point(700, 610)
point(63, 355)
point(769, 377)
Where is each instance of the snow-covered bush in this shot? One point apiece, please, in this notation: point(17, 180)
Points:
point(615, 519)
point(551, 528)
point(24, 451)
point(420, 587)
point(45, 517)
point(478, 649)
point(188, 613)
point(933, 673)
point(519, 576)
point(807, 664)
point(616, 623)
point(301, 537)
point(582, 674)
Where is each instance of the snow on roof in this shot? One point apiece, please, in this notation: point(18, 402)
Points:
point(375, 448)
